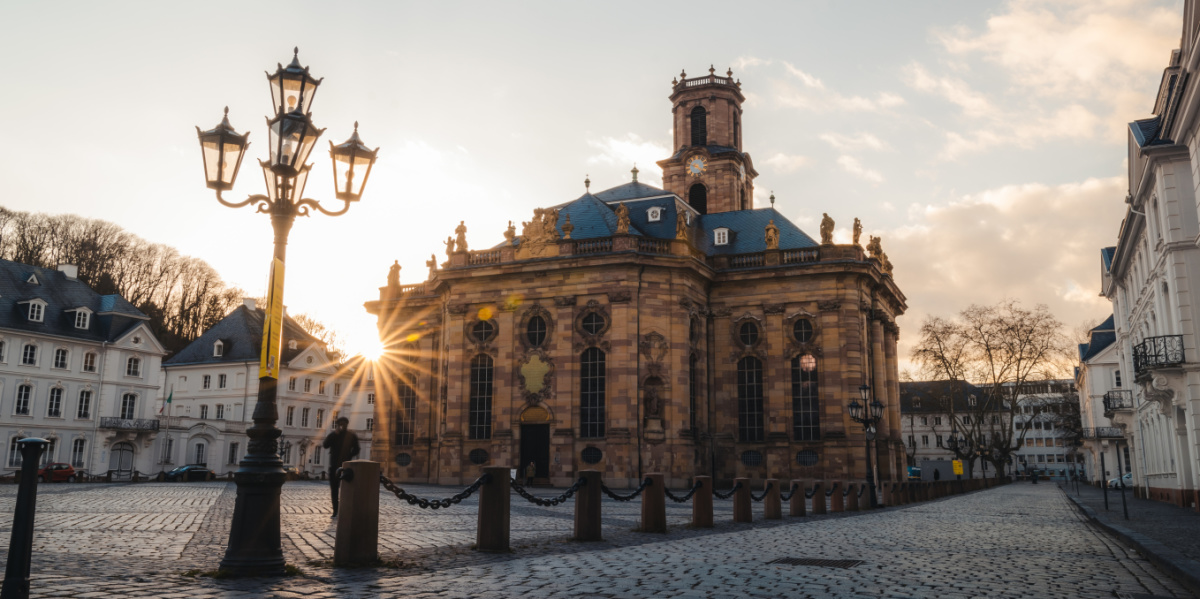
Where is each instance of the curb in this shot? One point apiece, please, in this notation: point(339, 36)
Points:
point(1180, 567)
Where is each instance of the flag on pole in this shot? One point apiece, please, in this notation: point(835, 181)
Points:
point(168, 402)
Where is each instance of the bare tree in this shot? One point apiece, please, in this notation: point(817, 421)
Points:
point(1000, 349)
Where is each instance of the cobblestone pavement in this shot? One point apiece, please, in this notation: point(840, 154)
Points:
point(1173, 526)
point(1020, 540)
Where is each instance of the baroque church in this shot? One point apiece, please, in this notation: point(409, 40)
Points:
point(636, 330)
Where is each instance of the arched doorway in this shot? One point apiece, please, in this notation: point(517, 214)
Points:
point(698, 198)
point(535, 442)
point(120, 461)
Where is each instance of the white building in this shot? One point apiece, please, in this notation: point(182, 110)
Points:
point(213, 387)
point(1150, 276)
point(1101, 390)
point(77, 368)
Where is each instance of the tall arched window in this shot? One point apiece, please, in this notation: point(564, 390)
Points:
point(479, 411)
point(591, 393)
point(128, 406)
point(750, 399)
point(698, 198)
point(406, 412)
point(24, 392)
point(54, 406)
point(806, 410)
point(699, 126)
point(692, 390)
point(201, 454)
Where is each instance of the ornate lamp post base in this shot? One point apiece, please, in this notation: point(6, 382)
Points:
point(254, 546)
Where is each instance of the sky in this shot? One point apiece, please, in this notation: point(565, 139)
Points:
point(984, 141)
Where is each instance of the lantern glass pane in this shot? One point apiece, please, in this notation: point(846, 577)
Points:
point(296, 92)
point(233, 158)
point(297, 189)
point(212, 160)
point(350, 174)
point(291, 141)
point(272, 181)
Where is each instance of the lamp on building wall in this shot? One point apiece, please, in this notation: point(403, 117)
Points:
point(254, 534)
point(869, 420)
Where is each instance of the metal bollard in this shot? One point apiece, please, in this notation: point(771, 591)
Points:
point(587, 507)
point(837, 501)
point(852, 491)
point(357, 540)
point(654, 505)
point(796, 504)
point(702, 503)
point(20, 542)
point(741, 501)
point(772, 504)
point(818, 498)
point(492, 534)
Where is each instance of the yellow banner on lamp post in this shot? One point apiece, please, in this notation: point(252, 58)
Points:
point(958, 467)
point(268, 365)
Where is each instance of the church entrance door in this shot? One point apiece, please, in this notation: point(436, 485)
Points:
point(535, 447)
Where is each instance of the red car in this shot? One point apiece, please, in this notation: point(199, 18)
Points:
point(56, 472)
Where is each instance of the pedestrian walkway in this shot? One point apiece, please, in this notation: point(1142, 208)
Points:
point(1167, 535)
point(1015, 541)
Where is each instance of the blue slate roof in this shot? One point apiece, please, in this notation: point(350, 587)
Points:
point(113, 316)
point(241, 333)
point(1099, 338)
point(1106, 257)
point(629, 191)
point(747, 232)
point(590, 216)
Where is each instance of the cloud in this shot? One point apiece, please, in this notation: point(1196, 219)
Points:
point(851, 165)
point(1037, 243)
point(627, 151)
point(812, 94)
point(783, 163)
point(954, 90)
point(851, 143)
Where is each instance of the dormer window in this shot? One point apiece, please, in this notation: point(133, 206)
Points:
point(721, 236)
point(218, 349)
point(37, 311)
point(654, 215)
point(33, 280)
point(82, 319)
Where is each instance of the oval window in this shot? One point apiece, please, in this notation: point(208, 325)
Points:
point(535, 331)
point(748, 333)
point(403, 459)
point(593, 323)
point(591, 455)
point(803, 330)
point(482, 331)
point(478, 456)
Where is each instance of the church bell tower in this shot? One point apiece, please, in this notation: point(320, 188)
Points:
point(709, 169)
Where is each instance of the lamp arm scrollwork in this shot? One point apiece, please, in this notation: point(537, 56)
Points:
point(303, 205)
point(257, 198)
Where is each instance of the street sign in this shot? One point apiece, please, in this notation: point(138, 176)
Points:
point(958, 467)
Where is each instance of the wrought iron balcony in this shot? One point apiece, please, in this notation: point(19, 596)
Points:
point(129, 424)
point(1118, 399)
point(1158, 352)
point(1103, 432)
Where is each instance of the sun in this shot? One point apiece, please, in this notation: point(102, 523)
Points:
point(371, 349)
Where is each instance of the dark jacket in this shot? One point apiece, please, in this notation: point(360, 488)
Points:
point(341, 446)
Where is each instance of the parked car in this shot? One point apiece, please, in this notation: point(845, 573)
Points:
point(186, 473)
point(1128, 478)
point(56, 472)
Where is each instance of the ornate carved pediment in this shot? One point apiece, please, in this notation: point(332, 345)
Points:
point(457, 309)
point(719, 311)
point(654, 346)
point(1160, 390)
point(564, 300)
point(829, 305)
point(772, 308)
point(539, 237)
point(619, 297)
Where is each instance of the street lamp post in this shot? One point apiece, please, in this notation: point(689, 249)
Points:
point(254, 544)
point(869, 419)
point(962, 448)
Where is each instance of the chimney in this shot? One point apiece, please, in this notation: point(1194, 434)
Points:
point(70, 270)
point(249, 303)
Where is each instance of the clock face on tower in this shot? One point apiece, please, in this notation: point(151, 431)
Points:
point(696, 165)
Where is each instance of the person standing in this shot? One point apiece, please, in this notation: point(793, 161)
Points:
point(342, 445)
point(530, 472)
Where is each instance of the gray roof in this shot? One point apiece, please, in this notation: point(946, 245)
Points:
point(113, 315)
point(930, 396)
point(241, 333)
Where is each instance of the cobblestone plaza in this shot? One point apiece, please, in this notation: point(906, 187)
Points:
point(1020, 540)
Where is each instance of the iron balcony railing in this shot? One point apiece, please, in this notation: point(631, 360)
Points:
point(1118, 399)
point(1103, 432)
point(129, 424)
point(1158, 352)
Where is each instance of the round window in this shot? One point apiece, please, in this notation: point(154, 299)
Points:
point(803, 330)
point(593, 323)
point(535, 331)
point(478, 456)
point(403, 459)
point(591, 455)
point(482, 330)
point(748, 333)
point(807, 457)
point(752, 458)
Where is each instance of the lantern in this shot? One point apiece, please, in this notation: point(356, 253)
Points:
point(292, 138)
point(222, 148)
point(283, 188)
point(292, 88)
point(352, 161)
point(855, 410)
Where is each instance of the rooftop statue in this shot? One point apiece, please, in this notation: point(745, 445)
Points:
point(826, 229)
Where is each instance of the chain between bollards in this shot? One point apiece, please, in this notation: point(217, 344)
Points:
point(685, 497)
point(520, 490)
point(729, 494)
point(764, 493)
point(607, 491)
point(421, 502)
